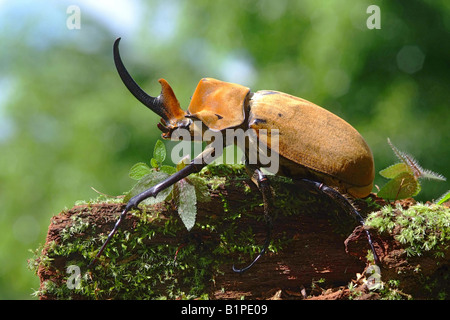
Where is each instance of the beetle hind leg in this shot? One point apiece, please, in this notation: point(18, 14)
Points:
point(347, 206)
point(263, 184)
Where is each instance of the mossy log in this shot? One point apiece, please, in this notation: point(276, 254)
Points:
point(315, 246)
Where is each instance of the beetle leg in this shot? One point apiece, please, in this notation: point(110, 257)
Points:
point(263, 184)
point(347, 206)
point(195, 166)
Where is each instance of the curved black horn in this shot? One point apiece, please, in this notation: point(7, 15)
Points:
point(153, 103)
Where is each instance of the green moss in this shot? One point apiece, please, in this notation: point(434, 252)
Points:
point(144, 265)
point(102, 198)
point(137, 265)
point(424, 232)
point(422, 227)
point(224, 170)
point(130, 268)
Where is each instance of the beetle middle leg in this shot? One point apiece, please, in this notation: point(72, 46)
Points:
point(261, 181)
point(347, 206)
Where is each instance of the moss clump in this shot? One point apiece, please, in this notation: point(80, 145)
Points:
point(420, 228)
point(153, 256)
point(224, 170)
point(149, 262)
point(418, 262)
point(135, 265)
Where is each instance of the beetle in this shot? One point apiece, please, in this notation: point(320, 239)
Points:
point(314, 145)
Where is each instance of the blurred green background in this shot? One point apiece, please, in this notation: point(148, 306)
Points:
point(67, 123)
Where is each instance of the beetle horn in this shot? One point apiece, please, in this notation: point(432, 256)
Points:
point(165, 105)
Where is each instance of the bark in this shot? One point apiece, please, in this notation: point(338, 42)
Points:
point(317, 248)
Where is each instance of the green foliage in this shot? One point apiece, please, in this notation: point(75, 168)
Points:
point(141, 169)
point(444, 198)
point(404, 177)
point(149, 176)
point(402, 186)
point(159, 154)
point(422, 227)
point(146, 182)
point(184, 193)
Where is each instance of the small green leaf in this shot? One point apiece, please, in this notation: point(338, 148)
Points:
point(186, 203)
point(201, 188)
point(168, 169)
point(148, 181)
point(404, 185)
point(183, 162)
point(394, 170)
point(154, 163)
point(139, 170)
point(444, 198)
point(159, 153)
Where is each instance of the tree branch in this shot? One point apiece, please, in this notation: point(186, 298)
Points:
point(154, 256)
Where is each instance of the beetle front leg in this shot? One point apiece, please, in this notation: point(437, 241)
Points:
point(195, 166)
point(262, 182)
point(347, 206)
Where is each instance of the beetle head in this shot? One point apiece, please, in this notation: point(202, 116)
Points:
point(165, 105)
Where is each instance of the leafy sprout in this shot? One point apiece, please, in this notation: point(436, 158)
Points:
point(184, 193)
point(404, 177)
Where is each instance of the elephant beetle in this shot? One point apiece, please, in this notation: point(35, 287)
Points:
point(314, 145)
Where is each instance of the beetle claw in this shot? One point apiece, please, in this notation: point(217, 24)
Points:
point(162, 127)
point(251, 264)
